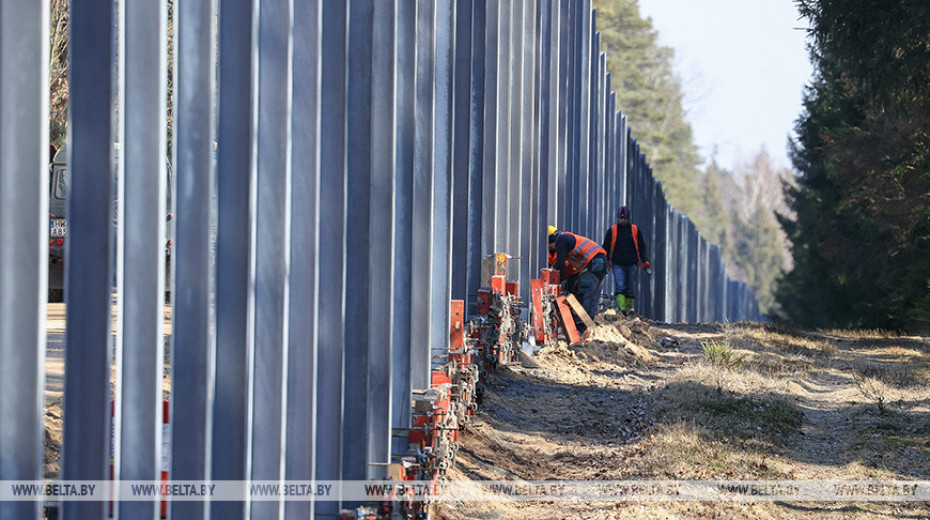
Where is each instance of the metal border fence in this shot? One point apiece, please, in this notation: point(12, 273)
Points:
point(342, 168)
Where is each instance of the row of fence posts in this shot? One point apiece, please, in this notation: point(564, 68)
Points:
point(340, 170)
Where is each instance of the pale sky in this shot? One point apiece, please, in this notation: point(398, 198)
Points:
point(743, 66)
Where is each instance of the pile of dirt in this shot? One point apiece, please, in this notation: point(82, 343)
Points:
point(615, 339)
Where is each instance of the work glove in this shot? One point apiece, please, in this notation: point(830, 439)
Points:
point(648, 267)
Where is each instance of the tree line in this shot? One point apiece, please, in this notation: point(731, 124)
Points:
point(861, 228)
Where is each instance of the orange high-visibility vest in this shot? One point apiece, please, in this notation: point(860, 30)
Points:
point(613, 243)
point(585, 250)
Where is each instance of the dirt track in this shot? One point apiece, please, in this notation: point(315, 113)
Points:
point(624, 407)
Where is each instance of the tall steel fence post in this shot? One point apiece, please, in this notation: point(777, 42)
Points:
point(141, 201)
point(356, 364)
point(24, 159)
point(193, 355)
point(303, 290)
point(89, 261)
point(331, 245)
point(382, 266)
point(272, 249)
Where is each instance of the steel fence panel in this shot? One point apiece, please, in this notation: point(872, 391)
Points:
point(381, 266)
point(511, 71)
point(423, 193)
point(331, 246)
point(272, 249)
point(490, 239)
point(440, 287)
point(463, 196)
point(89, 257)
point(303, 291)
point(141, 200)
point(24, 155)
point(192, 358)
point(402, 364)
point(358, 236)
point(478, 233)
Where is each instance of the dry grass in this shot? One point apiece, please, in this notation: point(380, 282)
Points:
point(796, 405)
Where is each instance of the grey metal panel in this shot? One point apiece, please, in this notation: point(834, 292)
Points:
point(529, 191)
point(563, 100)
point(489, 170)
point(332, 248)
point(600, 218)
point(692, 264)
point(546, 58)
point(141, 228)
point(584, 109)
point(381, 265)
point(192, 357)
point(594, 214)
point(461, 155)
point(422, 201)
point(303, 324)
point(549, 116)
point(234, 278)
point(516, 100)
point(24, 222)
point(356, 366)
point(503, 116)
point(89, 255)
point(477, 232)
point(403, 222)
point(572, 117)
point(272, 250)
point(440, 286)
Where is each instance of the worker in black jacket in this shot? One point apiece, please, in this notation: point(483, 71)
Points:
point(582, 266)
point(626, 250)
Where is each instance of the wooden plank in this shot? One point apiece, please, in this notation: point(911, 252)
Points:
point(579, 310)
point(568, 322)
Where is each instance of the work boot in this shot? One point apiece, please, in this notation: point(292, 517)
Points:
point(627, 305)
point(621, 299)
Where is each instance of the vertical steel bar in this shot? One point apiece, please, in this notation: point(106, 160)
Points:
point(563, 98)
point(234, 277)
point(503, 188)
point(515, 134)
point(529, 198)
point(303, 292)
point(331, 245)
point(477, 229)
point(381, 265)
point(549, 116)
point(423, 202)
point(403, 222)
point(24, 161)
point(543, 132)
point(89, 255)
point(440, 294)
point(272, 249)
point(573, 98)
point(461, 137)
point(490, 158)
point(355, 426)
point(192, 357)
point(141, 232)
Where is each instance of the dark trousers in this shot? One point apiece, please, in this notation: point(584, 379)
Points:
point(590, 283)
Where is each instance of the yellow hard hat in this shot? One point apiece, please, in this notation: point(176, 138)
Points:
point(553, 230)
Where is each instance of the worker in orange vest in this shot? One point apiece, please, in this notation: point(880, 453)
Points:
point(626, 250)
point(582, 265)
